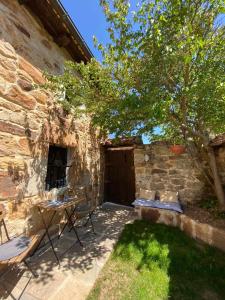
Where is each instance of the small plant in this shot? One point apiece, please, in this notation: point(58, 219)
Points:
point(221, 215)
point(212, 206)
point(209, 204)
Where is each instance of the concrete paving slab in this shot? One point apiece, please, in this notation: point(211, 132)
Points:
point(79, 267)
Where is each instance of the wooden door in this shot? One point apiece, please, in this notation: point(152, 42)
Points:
point(119, 175)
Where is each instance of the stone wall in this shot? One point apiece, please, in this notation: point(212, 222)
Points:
point(157, 168)
point(30, 119)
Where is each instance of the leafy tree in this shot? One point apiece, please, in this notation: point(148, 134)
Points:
point(163, 68)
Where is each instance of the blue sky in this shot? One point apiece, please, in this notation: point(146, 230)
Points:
point(90, 21)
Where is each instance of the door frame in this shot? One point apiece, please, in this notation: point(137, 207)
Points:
point(117, 148)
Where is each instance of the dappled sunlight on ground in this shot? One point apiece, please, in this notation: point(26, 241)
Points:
point(79, 267)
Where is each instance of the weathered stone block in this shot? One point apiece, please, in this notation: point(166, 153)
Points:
point(46, 44)
point(11, 128)
point(20, 118)
point(9, 163)
point(24, 76)
point(25, 146)
point(9, 105)
point(159, 171)
point(161, 149)
point(139, 158)
point(7, 75)
point(150, 214)
point(218, 238)
point(157, 186)
point(7, 50)
point(177, 181)
point(8, 64)
point(163, 165)
point(7, 186)
point(169, 218)
point(17, 96)
point(25, 85)
point(203, 232)
point(173, 172)
point(187, 225)
point(31, 70)
point(140, 170)
point(40, 96)
point(22, 29)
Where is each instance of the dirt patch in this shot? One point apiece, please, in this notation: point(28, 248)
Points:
point(204, 216)
point(209, 295)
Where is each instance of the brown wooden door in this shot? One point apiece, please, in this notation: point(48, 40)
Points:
point(119, 176)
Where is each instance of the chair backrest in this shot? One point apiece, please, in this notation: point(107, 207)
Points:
point(83, 192)
point(3, 225)
point(2, 212)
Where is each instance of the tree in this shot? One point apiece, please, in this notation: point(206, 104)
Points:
point(163, 68)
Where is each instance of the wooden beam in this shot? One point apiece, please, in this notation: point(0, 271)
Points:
point(21, 2)
point(63, 40)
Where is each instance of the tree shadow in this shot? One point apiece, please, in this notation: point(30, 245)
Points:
point(108, 224)
point(55, 127)
point(28, 177)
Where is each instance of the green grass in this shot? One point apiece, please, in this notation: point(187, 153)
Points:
point(153, 261)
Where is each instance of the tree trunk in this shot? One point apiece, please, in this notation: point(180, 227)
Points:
point(217, 181)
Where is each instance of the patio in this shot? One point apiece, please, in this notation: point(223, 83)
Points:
point(79, 267)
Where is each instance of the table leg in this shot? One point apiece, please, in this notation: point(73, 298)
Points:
point(90, 218)
point(6, 231)
point(73, 227)
point(68, 220)
point(47, 232)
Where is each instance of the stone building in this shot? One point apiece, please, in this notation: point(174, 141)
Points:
point(41, 147)
point(131, 165)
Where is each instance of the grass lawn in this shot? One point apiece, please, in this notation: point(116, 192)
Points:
point(153, 261)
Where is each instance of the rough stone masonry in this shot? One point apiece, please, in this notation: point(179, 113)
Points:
point(30, 119)
point(158, 169)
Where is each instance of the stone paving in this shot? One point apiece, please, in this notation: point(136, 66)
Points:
point(79, 267)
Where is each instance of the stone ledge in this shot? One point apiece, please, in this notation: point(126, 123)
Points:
point(200, 231)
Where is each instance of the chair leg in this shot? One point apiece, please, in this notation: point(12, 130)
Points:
point(6, 231)
point(73, 227)
point(7, 291)
point(30, 269)
point(92, 225)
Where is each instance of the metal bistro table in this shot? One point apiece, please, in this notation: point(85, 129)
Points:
point(55, 206)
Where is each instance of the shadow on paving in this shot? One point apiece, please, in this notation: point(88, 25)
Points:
point(74, 259)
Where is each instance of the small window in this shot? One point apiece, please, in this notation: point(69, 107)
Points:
point(56, 171)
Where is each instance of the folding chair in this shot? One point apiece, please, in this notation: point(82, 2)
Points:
point(85, 211)
point(16, 250)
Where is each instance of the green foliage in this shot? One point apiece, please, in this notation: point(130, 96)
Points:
point(164, 67)
point(210, 203)
point(153, 261)
point(212, 206)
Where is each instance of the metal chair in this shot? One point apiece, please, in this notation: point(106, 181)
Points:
point(85, 210)
point(16, 250)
